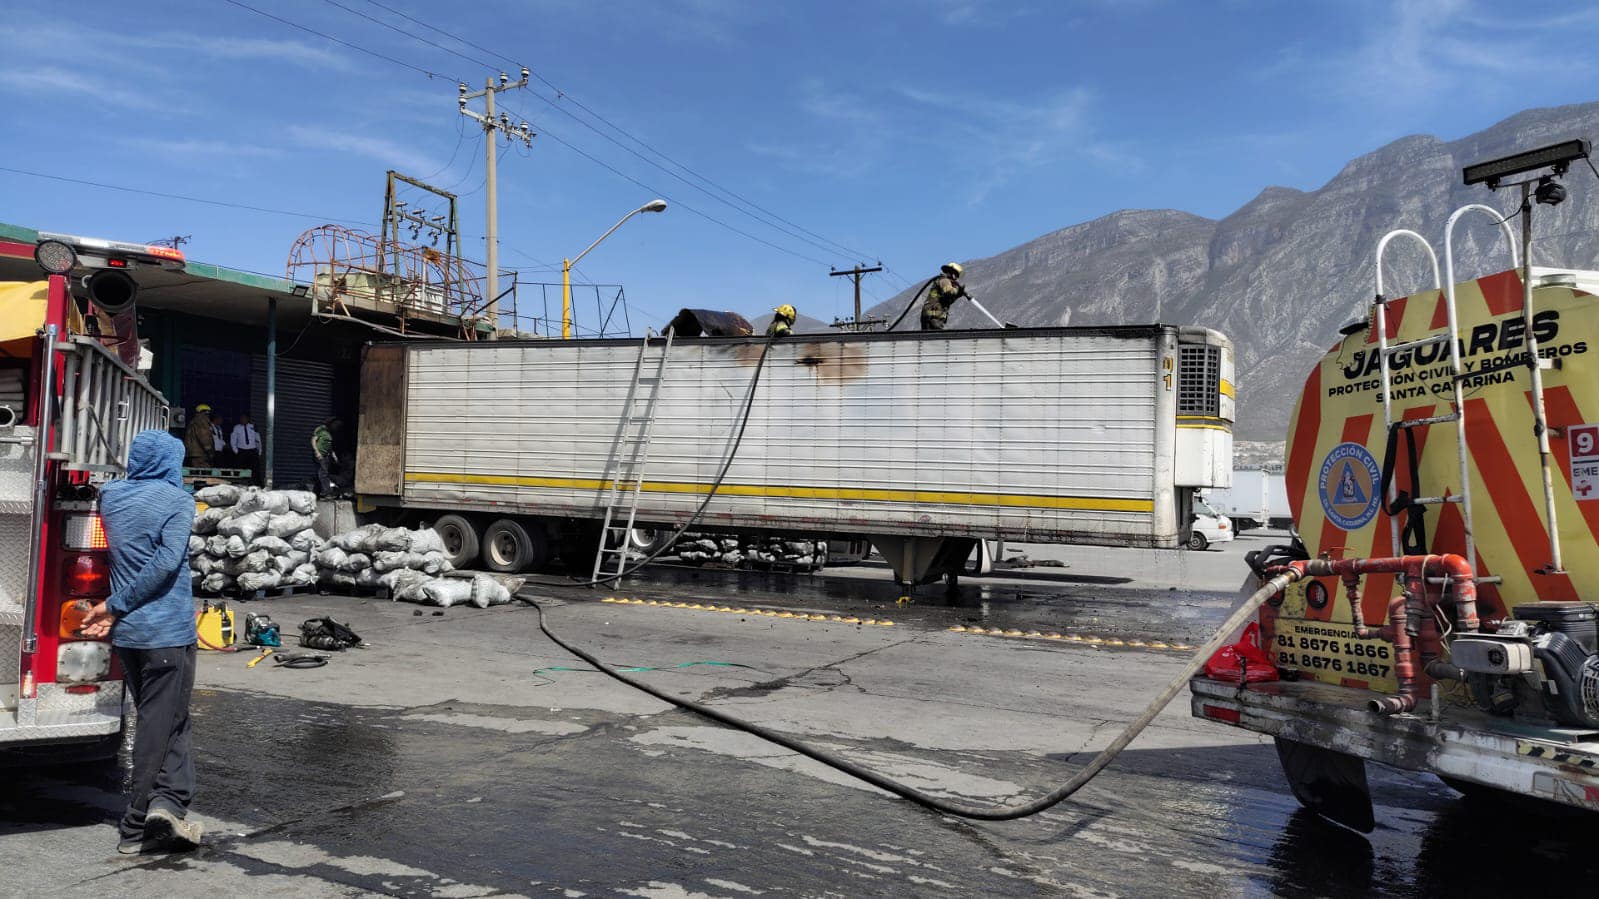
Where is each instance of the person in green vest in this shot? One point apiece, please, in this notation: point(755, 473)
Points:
point(326, 458)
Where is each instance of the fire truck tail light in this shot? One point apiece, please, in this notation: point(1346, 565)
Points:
point(1219, 713)
point(84, 532)
point(81, 663)
point(73, 613)
point(86, 574)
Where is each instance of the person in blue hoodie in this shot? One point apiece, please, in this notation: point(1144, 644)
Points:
point(150, 618)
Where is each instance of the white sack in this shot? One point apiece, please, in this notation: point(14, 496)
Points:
point(247, 526)
point(447, 592)
point(301, 501)
point(206, 522)
point(277, 546)
point(259, 580)
point(288, 524)
point(301, 576)
point(235, 548)
point(487, 591)
point(354, 562)
point(216, 582)
point(217, 496)
point(424, 540)
point(329, 557)
point(307, 541)
point(196, 545)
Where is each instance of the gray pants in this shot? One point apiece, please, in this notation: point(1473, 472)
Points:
point(160, 682)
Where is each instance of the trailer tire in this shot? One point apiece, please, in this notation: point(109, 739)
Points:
point(508, 547)
point(1197, 541)
point(461, 539)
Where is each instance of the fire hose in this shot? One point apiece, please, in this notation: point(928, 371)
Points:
point(1285, 576)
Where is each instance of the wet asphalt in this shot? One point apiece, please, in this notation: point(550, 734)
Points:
point(450, 760)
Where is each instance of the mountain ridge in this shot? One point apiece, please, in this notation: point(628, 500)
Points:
point(1284, 270)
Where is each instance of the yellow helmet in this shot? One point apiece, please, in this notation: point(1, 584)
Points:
point(953, 268)
point(202, 408)
point(786, 311)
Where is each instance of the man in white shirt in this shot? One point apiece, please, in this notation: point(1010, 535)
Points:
point(246, 445)
point(219, 442)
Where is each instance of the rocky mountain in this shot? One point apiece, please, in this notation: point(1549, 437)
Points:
point(1282, 273)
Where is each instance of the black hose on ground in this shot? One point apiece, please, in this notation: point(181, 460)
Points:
point(912, 304)
point(960, 809)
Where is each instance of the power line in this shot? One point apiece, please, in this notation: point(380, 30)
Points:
point(827, 245)
point(567, 144)
point(679, 203)
point(170, 196)
point(343, 43)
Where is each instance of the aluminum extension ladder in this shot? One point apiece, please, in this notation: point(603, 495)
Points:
point(623, 477)
point(1387, 351)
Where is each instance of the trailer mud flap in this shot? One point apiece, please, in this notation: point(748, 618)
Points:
point(1330, 783)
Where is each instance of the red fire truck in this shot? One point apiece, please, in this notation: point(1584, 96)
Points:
point(69, 406)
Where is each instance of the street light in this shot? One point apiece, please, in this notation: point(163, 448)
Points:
point(566, 265)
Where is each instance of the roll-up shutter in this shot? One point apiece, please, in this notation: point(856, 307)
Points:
point(305, 399)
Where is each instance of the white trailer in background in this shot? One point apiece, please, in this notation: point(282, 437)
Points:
point(921, 442)
point(1255, 499)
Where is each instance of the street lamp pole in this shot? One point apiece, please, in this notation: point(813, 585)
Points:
point(566, 265)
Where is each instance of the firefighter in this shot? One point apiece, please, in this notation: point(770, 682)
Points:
point(943, 293)
point(326, 457)
point(198, 442)
point(783, 318)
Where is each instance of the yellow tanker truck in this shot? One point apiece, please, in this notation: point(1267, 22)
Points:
point(1443, 468)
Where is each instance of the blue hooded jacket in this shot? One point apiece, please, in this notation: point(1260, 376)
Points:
point(148, 516)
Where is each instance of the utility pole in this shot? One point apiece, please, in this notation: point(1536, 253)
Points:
point(491, 127)
point(855, 274)
point(176, 242)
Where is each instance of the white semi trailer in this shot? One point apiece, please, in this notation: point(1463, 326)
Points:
point(921, 442)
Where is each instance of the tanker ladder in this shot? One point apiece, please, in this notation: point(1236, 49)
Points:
point(1387, 350)
point(623, 480)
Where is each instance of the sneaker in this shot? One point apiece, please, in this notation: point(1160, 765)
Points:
point(132, 846)
point(162, 825)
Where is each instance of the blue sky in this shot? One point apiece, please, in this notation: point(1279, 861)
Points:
point(911, 131)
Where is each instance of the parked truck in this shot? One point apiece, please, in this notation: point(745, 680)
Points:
point(69, 408)
point(1443, 467)
point(1249, 502)
point(923, 443)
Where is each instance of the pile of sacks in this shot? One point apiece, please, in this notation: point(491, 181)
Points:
point(751, 551)
point(253, 539)
point(409, 564)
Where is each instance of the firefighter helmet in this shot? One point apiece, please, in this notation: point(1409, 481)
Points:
point(787, 312)
point(953, 269)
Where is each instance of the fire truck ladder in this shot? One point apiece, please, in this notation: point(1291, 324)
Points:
point(624, 478)
point(1387, 350)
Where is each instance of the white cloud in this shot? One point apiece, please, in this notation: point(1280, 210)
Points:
point(1414, 54)
point(199, 148)
point(48, 82)
point(351, 141)
point(997, 139)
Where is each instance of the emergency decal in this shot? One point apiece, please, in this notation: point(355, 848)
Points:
point(1584, 461)
point(1349, 486)
point(1330, 651)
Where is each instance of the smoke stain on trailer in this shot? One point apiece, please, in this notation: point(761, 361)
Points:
point(834, 363)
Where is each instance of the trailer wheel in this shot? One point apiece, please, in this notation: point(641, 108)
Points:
point(460, 535)
point(510, 547)
point(1197, 541)
point(645, 540)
